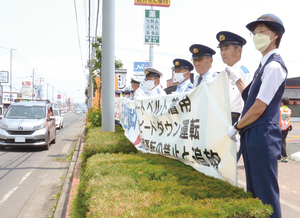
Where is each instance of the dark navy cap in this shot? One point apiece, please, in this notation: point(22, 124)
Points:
point(149, 71)
point(118, 92)
point(126, 92)
point(270, 19)
point(199, 51)
point(181, 63)
point(229, 38)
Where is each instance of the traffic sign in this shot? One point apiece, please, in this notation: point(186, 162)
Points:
point(152, 27)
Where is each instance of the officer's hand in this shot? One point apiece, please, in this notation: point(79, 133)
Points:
point(232, 76)
point(231, 132)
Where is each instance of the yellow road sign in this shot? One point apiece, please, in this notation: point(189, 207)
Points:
point(162, 3)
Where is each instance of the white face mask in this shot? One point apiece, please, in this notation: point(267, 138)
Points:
point(178, 77)
point(261, 41)
point(149, 84)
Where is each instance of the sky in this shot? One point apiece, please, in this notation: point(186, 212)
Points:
point(46, 40)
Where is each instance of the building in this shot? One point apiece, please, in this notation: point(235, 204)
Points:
point(292, 91)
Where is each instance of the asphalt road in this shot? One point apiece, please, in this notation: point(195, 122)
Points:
point(29, 177)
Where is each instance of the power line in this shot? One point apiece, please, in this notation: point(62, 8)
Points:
point(79, 38)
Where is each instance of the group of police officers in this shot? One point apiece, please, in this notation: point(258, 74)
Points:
point(254, 99)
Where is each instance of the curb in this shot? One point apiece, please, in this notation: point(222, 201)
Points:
point(63, 201)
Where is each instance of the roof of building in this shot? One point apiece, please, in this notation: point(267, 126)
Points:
point(295, 81)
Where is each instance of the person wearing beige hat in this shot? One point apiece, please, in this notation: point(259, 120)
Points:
point(153, 82)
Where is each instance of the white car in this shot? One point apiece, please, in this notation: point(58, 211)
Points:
point(59, 120)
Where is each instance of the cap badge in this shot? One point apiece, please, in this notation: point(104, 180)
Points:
point(147, 71)
point(221, 37)
point(195, 50)
point(177, 63)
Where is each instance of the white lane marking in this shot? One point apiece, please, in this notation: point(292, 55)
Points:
point(8, 195)
point(25, 177)
point(14, 189)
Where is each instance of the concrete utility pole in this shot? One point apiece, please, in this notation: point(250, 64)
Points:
point(32, 85)
point(151, 51)
point(90, 100)
point(10, 88)
point(108, 66)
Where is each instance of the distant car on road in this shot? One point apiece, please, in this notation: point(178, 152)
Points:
point(79, 112)
point(59, 120)
point(28, 124)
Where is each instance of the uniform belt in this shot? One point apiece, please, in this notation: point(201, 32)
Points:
point(235, 115)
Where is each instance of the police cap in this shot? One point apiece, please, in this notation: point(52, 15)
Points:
point(229, 38)
point(201, 50)
point(135, 80)
point(181, 63)
point(149, 71)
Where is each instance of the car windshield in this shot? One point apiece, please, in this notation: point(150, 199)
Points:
point(26, 112)
point(56, 113)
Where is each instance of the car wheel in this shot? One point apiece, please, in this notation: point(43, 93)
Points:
point(46, 146)
point(2, 147)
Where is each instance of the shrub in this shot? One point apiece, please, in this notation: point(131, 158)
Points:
point(145, 185)
point(95, 117)
point(97, 141)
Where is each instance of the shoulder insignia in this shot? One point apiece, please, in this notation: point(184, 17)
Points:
point(158, 91)
point(245, 69)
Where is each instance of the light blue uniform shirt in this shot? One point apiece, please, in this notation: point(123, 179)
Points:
point(184, 87)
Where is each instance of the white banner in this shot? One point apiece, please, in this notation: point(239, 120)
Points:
point(191, 127)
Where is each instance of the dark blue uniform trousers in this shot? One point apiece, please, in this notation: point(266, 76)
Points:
point(261, 148)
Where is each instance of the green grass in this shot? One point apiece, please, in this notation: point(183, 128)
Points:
point(118, 181)
point(144, 185)
point(97, 141)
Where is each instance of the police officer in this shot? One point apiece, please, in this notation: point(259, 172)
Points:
point(181, 74)
point(135, 85)
point(202, 61)
point(153, 82)
point(231, 46)
point(259, 126)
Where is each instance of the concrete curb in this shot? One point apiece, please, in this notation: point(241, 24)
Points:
point(61, 207)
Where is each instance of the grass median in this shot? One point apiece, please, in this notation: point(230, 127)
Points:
point(118, 181)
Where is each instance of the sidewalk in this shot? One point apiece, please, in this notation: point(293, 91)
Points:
point(289, 179)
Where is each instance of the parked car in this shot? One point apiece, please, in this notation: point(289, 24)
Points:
point(59, 120)
point(28, 124)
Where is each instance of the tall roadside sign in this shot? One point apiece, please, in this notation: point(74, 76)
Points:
point(151, 27)
point(152, 24)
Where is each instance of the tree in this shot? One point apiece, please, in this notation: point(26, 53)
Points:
point(97, 64)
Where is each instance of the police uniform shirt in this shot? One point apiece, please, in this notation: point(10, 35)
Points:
point(273, 76)
point(236, 101)
point(206, 77)
point(139, 92)
point(184, 87)
point(157, 91)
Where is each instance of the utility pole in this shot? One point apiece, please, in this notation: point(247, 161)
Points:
point(90, 101)
point(151, 51)
point(10, 94)
point(108, 66)
point(47, 91)
point(32, 94)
